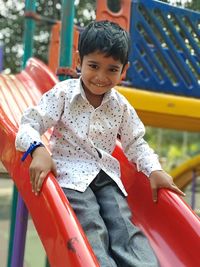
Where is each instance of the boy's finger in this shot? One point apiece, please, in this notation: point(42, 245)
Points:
point(154, 194)
point(32, 175)
point(34, 185)
point(41, 180)
point(177, 190)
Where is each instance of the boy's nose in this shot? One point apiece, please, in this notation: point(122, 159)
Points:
point(101, 78)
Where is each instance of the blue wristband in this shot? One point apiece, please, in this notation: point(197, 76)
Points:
point(30, 150)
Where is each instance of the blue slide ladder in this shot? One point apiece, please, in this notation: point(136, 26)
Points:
point(165, 48)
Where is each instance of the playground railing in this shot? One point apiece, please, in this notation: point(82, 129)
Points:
point(165, 48)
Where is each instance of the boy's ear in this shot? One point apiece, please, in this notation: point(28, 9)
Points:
point(126, 67)
point(123, 74)
point(77, 59)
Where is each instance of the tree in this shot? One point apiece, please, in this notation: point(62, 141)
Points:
point(194, 5)
point(11, 22)
point(12, 26)
point(84, 12)
point(191, 4)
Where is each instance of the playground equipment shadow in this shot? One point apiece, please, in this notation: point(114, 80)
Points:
point(34, 252)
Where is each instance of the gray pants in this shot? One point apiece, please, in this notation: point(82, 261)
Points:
point(106, 219)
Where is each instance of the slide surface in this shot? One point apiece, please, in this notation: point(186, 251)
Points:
point(171, 226)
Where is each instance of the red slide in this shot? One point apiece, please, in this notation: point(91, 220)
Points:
point(171, 226)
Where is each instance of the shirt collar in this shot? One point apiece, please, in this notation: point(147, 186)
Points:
point(107, 96)
point(77, 89)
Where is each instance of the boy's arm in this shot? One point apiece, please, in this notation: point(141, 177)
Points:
point(135, 147)
point(36, 120)
point(138, 151)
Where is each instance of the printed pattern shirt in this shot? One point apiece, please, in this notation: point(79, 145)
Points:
point(84, 137)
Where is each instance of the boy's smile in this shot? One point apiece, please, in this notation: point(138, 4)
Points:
point(99, 73)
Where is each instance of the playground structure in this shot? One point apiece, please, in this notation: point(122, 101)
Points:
point(59, 231)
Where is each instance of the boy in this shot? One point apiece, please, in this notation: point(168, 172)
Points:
point(87, 115)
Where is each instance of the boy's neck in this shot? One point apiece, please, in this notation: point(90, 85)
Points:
point(94, 100)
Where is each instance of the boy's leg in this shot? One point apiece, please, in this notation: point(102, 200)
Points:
point(128, 244)
point(87, 211)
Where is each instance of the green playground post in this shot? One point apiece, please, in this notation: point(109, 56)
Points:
point(28, 31)
point(66, 37)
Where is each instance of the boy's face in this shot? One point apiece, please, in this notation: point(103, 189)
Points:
point(100, 73)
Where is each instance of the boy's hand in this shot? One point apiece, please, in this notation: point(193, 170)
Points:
point(40, 166)
point(160, 179)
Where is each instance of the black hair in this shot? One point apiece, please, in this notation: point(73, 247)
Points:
point(107, 37)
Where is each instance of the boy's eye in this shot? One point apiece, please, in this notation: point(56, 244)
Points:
point(114, 70)
point(93, 66)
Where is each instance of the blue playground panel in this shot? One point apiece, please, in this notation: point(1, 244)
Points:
point(165, 52)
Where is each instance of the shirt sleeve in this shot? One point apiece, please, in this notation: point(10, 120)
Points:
point(38, 119)
point(135, 147)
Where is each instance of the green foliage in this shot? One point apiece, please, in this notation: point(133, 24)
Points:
point(191, 4)
point(49, 9)
point(84, 12)
point(11, 21)
point(194, 5)
point(173, 147)
point(12, 26)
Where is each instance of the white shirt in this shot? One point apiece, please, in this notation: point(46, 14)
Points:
point(83, 137)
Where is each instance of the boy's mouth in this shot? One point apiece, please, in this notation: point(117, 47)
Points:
point(100, 85)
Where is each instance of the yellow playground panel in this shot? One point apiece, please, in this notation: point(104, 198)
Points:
point(164, 110)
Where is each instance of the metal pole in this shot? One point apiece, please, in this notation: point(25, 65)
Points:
point(194, 176)
point(66, 40)
point(12, 224)
point(20, 234)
